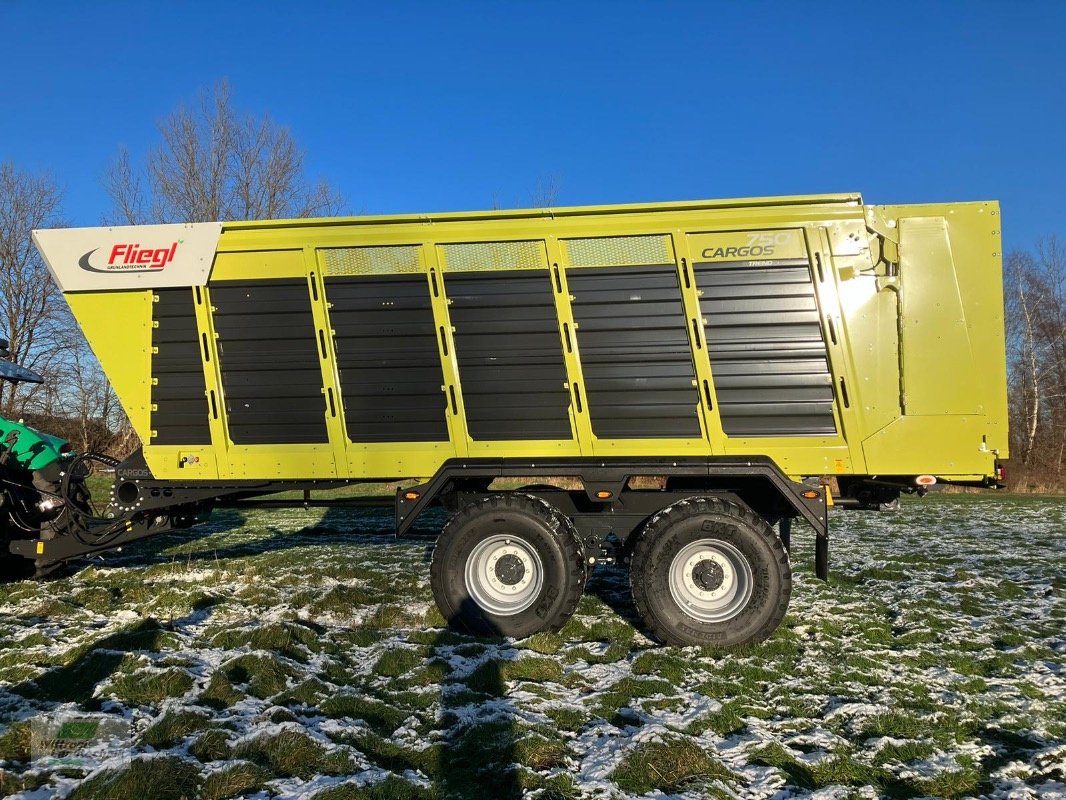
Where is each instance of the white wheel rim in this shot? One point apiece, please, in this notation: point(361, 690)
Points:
point(710, 580)
point(504, 575)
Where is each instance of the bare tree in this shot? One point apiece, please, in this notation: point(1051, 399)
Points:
point(546, 192)
point(81, 407)
point(1025, 377)
point(213, 163)
point(544, 195)
point(1036, 346)
point(33, 315)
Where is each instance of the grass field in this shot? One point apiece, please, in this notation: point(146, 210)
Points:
point(278, 654)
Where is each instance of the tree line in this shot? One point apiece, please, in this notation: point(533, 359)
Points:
point(1035, 308)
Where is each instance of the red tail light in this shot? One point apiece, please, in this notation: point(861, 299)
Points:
point(65, 448)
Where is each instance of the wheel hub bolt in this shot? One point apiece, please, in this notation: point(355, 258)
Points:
point(708, 575)
point(509, 569)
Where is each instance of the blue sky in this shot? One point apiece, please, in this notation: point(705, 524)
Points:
point(417, 107)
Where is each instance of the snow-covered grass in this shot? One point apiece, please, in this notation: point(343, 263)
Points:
point(298, 654)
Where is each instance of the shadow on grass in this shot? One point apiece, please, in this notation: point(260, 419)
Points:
point(141, 553)
point(338, 526)
point(477, 759)
point(76, 681)
point(474, 750)
point(610, 583)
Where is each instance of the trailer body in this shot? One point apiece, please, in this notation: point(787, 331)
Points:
point(739, 350)
point(830, 336)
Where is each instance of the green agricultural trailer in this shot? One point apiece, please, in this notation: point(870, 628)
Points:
point(668, 386)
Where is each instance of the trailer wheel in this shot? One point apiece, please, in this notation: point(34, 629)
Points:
point(507, 565)
point(707, 571)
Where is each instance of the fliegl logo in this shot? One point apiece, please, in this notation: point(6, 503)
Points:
point(129, 258)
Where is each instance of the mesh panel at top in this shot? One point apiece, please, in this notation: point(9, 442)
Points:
point(493, 256)
point(619, 251)
point(390, 260)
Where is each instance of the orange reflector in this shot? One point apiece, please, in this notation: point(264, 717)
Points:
point(411, 495)
point(810, 494)
point(603, 495)
point(925, 480)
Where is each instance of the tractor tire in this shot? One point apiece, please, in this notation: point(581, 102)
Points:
point(508, 565)
point(707, 571)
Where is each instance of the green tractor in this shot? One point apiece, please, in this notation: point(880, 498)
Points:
point(43, 490)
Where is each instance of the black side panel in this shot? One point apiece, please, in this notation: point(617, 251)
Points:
point(510, 355)
point(179, 396)
point(635, 352)
point(387, 354)
point(268, 355)
point(765, 344)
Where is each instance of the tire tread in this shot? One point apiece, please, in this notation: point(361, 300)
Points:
point(696, 506)
point(561, 529)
